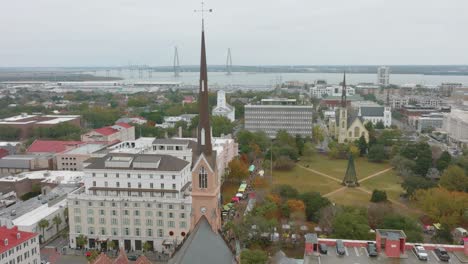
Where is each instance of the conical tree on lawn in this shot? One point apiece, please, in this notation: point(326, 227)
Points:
point(350, 178)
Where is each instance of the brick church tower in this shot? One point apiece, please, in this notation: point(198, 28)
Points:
point(205, 183)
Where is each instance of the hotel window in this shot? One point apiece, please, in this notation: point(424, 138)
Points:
point(105, 175)
point(94, 174)
point(162, 185)
point(117, 184)
point(137, 231)
point(139, 176)
point(126, 231)
point(90, 211)
point(128, 175)
point(102, 212)
point(149, 232)
point(151, 185)
point(183, 225)
point(171, 224)
point(103, 230)
point(173, 177)
point(91, 230)
point(149, 222)
point(160, 222)
point(137, 221)
point(126, 221)
point(148, 205)
point(125, 212)
point(94, 183)
point(117, 175)
point(160, 233)
point(77, 219)
point(139, 185)
point(114, 221)
point(137, 213)
point(171, 215)
point(102, 221)
point(129, 185)
point(173, 186)
point(114, 232)
point(182, 215)
point(90, 220)
point(162, 177)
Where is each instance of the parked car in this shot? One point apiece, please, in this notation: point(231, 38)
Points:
point(420, 252)
point(372, 249)
point(323, 249)
point(132, 257)
point(340, 248)
point(442, 254)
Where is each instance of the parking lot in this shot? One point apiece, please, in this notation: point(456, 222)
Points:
point(359, 255)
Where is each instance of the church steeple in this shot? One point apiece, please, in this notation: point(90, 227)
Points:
point(343, 91)
point(204, 128)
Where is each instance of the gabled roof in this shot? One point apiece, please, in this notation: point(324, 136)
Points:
point(142, 260)
point(122, 258)
point(12, 236)
point(203, 246)
point(372, 111)
point(102, 259)
point(106, 131)
point(52, 146)
point(125, 125)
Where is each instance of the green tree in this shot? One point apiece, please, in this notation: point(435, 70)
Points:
point(399, 222)
point(81, 241)
point(57, 222)
point(444, 161)
point(362, 145)
point(111, 244)
point(221, 125)
point(454, 179)
point(351, 224)
point(376, 153)
point(43, 224)
point(300, 144)
point(379, 125)
point(313, 202)
point(283, 163)
point(253, 256)
point(413, 183)
point(147, 247)
point(378, 196)
point(317, 134)
point(286, 192)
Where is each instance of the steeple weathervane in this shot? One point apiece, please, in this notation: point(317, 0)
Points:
point(202, 11)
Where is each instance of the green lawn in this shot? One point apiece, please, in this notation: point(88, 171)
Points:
point(304, 180)
point(337, 167)
point(351, 197)
point(388, 181)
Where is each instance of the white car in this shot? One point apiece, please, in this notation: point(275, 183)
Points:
point(420, 252)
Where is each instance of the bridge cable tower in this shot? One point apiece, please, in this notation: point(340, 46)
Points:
point(176, 63)
point(229, 63)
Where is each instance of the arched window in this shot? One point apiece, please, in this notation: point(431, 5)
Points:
point(342, 124)
point(202, 178)
point(356, 131)
point(350, 134)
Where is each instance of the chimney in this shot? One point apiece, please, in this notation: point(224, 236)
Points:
point(18, 235)
point(6, 241)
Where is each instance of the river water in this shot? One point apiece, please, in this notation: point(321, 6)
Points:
point(270, 79)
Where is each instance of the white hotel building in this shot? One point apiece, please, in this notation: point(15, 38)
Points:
point(132, 199)
point(139, 192)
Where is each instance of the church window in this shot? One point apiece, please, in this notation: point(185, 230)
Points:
point(356, 131)
point(202, 178)
point(350, 134)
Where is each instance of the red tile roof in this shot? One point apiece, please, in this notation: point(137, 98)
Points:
point(122, 124)
point(122, 258)
point(106, 131)
point(13, 240)
point(102, 259)
point(3, 153)
point(142, 260)
point(52, 146)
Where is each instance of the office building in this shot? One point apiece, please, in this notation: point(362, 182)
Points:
point(273, 115)
point(383, 76)
point(455, 124)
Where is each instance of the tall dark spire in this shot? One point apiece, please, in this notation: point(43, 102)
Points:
point(350, 178)
point(343, 91)
point(387, 103)
point(204, 128)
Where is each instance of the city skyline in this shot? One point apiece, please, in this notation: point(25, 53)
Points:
point(113, 33)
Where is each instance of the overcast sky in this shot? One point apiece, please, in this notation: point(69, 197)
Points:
point(259, 32)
